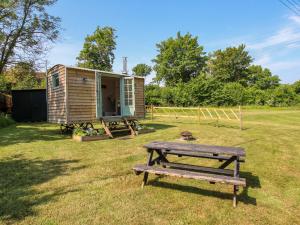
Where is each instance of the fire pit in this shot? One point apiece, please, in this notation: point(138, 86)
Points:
point(187, 136)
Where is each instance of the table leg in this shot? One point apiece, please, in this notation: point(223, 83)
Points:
point(236, 174)
point(150, 155)
point(227, 162)
point(234, 195)
point(162, 157)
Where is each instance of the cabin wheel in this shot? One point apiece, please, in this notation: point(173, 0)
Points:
point(66, 128)
point(89, 125)
point(63, 128)
point(86, 125)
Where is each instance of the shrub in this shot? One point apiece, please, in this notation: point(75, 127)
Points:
point(206, 90)
point(5, 120)
point(153, 94)
point(284, 95)
point(80, 131)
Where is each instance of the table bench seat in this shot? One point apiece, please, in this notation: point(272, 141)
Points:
point(197, 168)
point(190, 174)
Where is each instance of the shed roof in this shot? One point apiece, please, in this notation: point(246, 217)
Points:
point(93, 70)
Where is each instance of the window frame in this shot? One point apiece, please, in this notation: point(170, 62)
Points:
point(128, 92)
point(55, 80)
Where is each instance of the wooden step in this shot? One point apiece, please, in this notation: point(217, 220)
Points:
point(120, 130)
point(197, 168)
point(190, 174)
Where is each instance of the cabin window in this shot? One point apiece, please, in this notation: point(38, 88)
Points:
point(128, 92)
point(55, 80)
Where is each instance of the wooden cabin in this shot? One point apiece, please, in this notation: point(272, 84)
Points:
point(76, 95)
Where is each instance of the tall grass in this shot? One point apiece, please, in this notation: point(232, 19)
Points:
point(5, 120)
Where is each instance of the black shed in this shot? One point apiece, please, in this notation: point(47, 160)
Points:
point(29, 105)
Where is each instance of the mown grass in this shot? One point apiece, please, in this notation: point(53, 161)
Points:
point(47, 178)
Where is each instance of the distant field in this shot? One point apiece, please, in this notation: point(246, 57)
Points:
point(47, 178)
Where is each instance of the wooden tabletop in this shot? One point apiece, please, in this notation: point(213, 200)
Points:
point(169, 146)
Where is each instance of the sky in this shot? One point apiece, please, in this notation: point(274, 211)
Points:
point(270, 31)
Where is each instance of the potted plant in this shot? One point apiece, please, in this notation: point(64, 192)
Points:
point(89, 134)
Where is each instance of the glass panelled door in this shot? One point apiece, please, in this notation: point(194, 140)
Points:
point(128, 109)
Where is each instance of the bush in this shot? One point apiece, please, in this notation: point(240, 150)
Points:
point(254, 96)
point(284, 95)
point(296, 87)
point(202, 90)
point(79, 131)
point(231, 94)
point(205, 90)
point(5, 120)
point(153, 94)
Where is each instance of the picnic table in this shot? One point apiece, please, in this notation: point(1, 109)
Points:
point(160, 165)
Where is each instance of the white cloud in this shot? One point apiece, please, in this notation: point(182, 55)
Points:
point(288, 70)
point(284, 65)
point(283, 36)
point(294, 45)
point(262, 60)
point(287, 36)
point(295, 19)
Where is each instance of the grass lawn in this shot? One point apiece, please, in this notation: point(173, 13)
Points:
point(47, 178)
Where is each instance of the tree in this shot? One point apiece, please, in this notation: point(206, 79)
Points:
point(296, 86)
point(142, 70)
point(202, 90)
point(230, 65)
point(283, 95)
point(152, 94)
point(22, 76)
point(25, 28)
point(97, 52)
point(261, 78)
point(179, 59)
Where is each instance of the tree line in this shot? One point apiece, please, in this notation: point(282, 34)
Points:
point(185, 75)
point(191, 77)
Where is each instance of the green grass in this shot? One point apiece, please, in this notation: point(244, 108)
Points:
point(47, 178)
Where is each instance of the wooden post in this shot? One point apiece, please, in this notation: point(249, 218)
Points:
point(241, 118)
point(152, 111)
point(218, 117)
point(199, 114)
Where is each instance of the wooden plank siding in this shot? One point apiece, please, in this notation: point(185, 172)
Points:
point(74, 100)
point(81, 95)
point(56, 96)
point(139, 97)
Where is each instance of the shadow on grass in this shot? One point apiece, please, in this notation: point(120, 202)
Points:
point(159, 126)
point(18, 176)
point(26, 133)
point(252, 182)
point(213, 123)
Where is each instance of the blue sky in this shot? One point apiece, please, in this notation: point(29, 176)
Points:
point(270, 31)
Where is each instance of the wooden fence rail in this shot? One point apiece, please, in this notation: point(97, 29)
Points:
point(197, 113)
